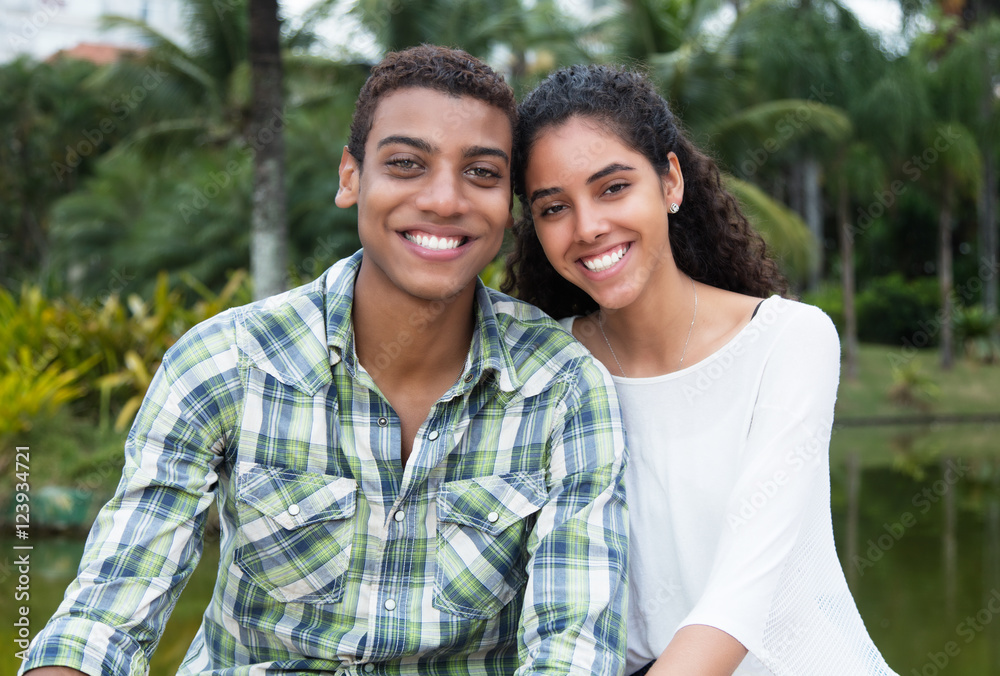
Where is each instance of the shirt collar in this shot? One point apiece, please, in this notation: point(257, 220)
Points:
point(488, 354)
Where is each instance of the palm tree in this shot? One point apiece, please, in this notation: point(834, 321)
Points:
point(52, 130)
point(226, 89)
point(269, 230)
point(686, 54)
point(510, 30)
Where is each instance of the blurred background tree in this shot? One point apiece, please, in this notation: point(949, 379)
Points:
point(869, 165)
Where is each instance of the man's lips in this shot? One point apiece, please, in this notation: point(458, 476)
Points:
point(606, 259)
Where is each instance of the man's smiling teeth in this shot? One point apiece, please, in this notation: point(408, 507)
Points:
point(604, 262)
point(434, 242)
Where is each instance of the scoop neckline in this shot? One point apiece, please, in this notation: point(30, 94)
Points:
point(647, 380)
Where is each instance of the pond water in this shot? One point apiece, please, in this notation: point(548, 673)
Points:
point(917, 521)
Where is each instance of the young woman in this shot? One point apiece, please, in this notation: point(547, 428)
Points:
point(727, 390)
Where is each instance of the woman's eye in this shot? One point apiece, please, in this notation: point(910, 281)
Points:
point(552, 210)
point(616, 187)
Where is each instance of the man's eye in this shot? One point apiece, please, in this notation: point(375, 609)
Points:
point(403, 163)
point(484, 172)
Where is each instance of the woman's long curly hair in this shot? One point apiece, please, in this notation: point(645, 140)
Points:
point(710, 238)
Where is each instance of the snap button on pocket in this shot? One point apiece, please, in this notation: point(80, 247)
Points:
point(382, 422)
point(283, 510)
point(481, 541)
point(390, 604)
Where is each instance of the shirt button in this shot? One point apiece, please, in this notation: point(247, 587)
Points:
point(369, 667)
point(382, 422)
point(468, 378)
point(399, 515)
point(492, 517)
point(433, 435)
point(390, 604)
point(293, 509)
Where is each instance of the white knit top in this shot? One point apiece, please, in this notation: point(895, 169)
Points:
point(729, 502)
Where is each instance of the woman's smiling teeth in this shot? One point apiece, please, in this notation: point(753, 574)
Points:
point(605, 260)
point(433, 242)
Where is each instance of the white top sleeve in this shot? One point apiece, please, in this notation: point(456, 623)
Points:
point(784, 464)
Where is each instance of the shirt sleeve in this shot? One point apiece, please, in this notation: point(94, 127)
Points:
point(784, 464)
point(573, 620)
point(147, 540)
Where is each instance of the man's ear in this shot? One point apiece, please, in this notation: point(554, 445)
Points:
point(350, 177)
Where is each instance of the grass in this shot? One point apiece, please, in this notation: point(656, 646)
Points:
point(884, 372)
point(967, 388)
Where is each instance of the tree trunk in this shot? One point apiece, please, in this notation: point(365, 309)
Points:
point(945, 275)
point(813, 204)
point(847, 282)
point(988, 230)
point(269, 232)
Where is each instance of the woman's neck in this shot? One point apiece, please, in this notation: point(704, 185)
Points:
point(653, 335)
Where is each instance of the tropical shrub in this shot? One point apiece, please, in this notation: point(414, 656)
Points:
point(893, 311)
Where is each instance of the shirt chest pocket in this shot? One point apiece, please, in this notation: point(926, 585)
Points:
point(296, 532)
point(483, 526)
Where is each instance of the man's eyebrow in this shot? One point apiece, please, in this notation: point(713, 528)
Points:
point(610, 169)
point(417, 143)
point(476, 151)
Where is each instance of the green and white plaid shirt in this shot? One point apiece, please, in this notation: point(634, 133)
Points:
point(500, 548)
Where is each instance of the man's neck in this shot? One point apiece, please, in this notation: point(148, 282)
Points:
point(414, 349)
point(401, 339)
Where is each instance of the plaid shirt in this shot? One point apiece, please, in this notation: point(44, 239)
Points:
point(500, 548)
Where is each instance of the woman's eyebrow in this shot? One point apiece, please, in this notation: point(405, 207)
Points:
point(542, 192)
point(596, 176)
point(610, 169)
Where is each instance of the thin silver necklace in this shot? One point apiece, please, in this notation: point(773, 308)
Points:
point(694, 315)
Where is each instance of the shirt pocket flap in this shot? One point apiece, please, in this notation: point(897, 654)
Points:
point(293, 498)
point(492, 503)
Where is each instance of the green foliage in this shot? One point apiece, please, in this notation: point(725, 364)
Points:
point(976, 330)
point(913, 388)
point(52, 128)
point(893, 311)
point(54, 352)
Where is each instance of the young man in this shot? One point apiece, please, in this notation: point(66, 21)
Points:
point(415, 474)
